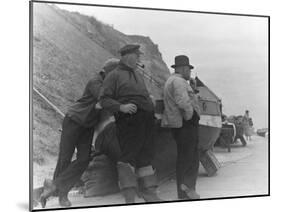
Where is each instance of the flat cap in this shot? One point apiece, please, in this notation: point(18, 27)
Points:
point(130, 48)
point(110, 64)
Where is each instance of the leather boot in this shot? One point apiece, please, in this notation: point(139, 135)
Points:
point(129, 194)
point(150, 195)
point(49, 190)
point(190, 193)
point(148, 184)
point(64, 201)
point(127, 181)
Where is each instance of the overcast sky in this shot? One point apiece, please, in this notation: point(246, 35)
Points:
point(229, 52)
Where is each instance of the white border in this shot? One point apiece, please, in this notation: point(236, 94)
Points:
point(14, 103)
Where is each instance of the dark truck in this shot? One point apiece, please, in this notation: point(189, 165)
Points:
point(232, 130)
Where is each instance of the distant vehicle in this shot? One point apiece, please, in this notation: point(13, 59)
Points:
point(232, 130)
point(262, 132)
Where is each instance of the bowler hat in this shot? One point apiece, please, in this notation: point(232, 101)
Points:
point(130, 48)
point(182, 60)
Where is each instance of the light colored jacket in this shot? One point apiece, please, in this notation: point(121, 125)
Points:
point(179, 101)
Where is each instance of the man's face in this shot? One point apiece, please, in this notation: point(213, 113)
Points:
point(132, 59)
point(186, 72)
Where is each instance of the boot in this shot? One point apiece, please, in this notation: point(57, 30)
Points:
point(127, 181)
point(190, 193)
point(150, 195)
point(148, 184)
point(64, 201)
point(49, 190)
point(129, 194)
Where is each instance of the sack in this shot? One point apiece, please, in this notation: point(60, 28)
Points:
point(101, 177)
point(209, 162)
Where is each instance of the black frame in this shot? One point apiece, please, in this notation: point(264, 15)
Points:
point(126, 7)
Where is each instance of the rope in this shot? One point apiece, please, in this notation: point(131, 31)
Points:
point(150, 78)
point(49, 102)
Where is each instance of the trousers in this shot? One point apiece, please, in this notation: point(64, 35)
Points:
point(135, 135)
point(68, 172)
point(187, 163)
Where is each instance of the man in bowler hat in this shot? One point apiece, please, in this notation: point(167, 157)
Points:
point(126, 96)
point(182, 114)
point(77, 132)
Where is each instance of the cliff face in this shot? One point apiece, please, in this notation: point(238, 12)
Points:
point(68, 48)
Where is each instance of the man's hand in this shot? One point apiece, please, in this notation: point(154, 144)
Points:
point(98, 106)
point(192, 83)
point(128, 108)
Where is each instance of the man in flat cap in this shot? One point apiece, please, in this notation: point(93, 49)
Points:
point(126, 96)
point(77, 132)
point(182, 114)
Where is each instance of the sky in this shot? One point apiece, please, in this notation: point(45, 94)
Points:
point(229, 52)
